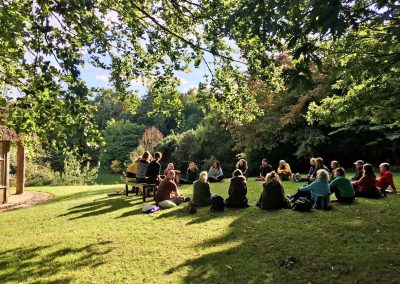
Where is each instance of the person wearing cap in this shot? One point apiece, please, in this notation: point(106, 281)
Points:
point(265, 169)
point(284, 171)
point(359, 170)
point(385, 178)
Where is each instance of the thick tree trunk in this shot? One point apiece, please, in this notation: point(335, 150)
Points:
point(20, 168)
point(6, 170)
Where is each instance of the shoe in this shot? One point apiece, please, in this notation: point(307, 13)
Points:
point(186, 199)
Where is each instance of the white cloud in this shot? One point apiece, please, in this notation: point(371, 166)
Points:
point(103, 78)
point(183, 81)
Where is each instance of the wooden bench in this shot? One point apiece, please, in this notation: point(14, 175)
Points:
point(143, 187)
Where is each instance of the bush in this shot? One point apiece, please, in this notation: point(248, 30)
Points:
point(116, 167)
point(38, 175)
point(76, 174)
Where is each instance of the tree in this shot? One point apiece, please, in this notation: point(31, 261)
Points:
point(121, 137)
point(151, 137)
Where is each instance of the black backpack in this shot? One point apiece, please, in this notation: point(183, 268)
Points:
point(302, 204)
point(217, 203)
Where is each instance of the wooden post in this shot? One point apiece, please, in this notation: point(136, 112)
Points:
point(20, 181)
point(6, 170)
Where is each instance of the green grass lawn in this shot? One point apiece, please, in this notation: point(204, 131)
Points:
point(84, 236)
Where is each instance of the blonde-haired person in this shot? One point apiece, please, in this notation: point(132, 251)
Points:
point(273, 195)
point(320, 187)
point(385, 178)
point(192, 174)
point(201, 191)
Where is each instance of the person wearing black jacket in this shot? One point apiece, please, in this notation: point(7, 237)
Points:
point(237, 191)
point(359, 170)
point(265, 169)
point(192, 174)
point(273, 195)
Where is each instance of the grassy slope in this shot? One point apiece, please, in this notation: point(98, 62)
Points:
point(84, 236)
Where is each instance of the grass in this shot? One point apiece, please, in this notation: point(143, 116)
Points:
point(85, 236)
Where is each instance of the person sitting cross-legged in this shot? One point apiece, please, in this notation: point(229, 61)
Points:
point(342, 187)
point(237, 191)
point(168, 191)
point(273, 195)
point(265, 169)
point(192, 174)
point(215, 173)
point(284, 171)
point(319, 187)
point(201, 191)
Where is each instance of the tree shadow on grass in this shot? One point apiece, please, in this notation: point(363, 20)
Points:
point(83, 194)
point(286, 246)
point(101, 206)
point(43, 262)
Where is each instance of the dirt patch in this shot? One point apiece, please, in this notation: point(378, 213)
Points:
point(27, 199)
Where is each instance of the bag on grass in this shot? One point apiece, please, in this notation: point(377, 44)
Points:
point(217, 203)
point(302, 204)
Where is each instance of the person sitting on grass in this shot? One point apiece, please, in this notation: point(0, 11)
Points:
point(334, 165)
point(192, 174)
point(142, 166)
point(170, 167)
point(153, 170)
point(319, 165)
point(319, 187)
point(132, 170)
point(284, 171)
point(366, 185)
point(237, 191)
point(201, 191)
point(342, 187)
point(310, 174)
point(359, 170)
point(385, 178)
point(265, 169)
point(273, 195)
point(168, 194)
point(242, 165)
point(215, 173)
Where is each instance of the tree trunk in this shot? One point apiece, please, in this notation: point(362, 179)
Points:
point(20, 182)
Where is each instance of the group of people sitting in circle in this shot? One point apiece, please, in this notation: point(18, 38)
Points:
point(320, 181)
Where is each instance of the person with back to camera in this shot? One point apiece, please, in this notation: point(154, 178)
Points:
point(237, 191)
point(342, 187)
point(142, 166)
point(385, 178)
point(242, 165)
point(319, 187)
point(201, 191)
point(273, 194)
point(153, 170)
point(192, 174)
point(284, 171)
point(215, 173)
point(132, 170)
point(366, 185)
point(265, 169)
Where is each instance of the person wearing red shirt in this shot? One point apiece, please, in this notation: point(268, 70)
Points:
point(168, 190)
point(385, 178)
point(365, 186)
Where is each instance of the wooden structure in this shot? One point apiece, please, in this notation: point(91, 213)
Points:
point(8, 135)
point(144, 188)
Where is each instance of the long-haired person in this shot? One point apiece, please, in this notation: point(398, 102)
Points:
point(215, 173)
point(366, 185)
point(237, 191)
point(201, 191)
point(273, 195)
point(192, 174)
point(142, 166)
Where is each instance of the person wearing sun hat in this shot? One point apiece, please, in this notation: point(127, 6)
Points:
point(359, 170)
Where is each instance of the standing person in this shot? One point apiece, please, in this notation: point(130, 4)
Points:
point(237, 191)
point(273, 195)
point(334, 166)
point(153, 170)
point(359, 170)
point(170, 167)
point(319, 187)
point(242, 165)
point(385, 178)
point(366, 185)
point(192, 174)
point(215, 173)
point(284, 171)
point(342, 187)
point(142, 166)
point(265, 169)
point(201, 191)
point(168, 190)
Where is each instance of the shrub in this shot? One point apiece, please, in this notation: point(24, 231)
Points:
point(116, 167)
point(38, 175)
point(76, 174)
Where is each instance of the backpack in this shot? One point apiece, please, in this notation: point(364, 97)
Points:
point(217, 203)
point(302, 204)
point(323, 202)
point(192, 208)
